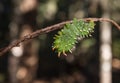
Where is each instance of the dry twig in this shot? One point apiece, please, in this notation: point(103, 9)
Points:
point(49, 29)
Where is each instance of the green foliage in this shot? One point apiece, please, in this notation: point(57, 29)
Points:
point(66, 39)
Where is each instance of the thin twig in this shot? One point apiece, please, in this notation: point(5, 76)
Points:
point(103, 19)
point(49, 29)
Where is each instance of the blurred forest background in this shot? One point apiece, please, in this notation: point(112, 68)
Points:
point(34, 61)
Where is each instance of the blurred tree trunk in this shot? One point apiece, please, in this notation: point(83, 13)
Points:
point(23, 59)
point(105, 47)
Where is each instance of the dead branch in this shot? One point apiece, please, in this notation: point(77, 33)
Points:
point(49, 29)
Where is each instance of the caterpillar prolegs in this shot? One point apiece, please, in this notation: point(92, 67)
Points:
point(66, 39)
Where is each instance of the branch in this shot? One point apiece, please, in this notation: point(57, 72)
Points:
point(49, 29)
point(103, 19)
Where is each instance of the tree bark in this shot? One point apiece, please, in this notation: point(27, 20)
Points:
point(105, 47)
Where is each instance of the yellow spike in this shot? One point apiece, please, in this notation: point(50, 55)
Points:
point(53, 48)
point(64, 53)
point(70, 51)
point(59, 54)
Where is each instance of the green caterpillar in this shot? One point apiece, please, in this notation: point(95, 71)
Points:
point(66, 39)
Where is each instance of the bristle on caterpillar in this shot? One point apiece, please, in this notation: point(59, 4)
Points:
point(66, 39)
